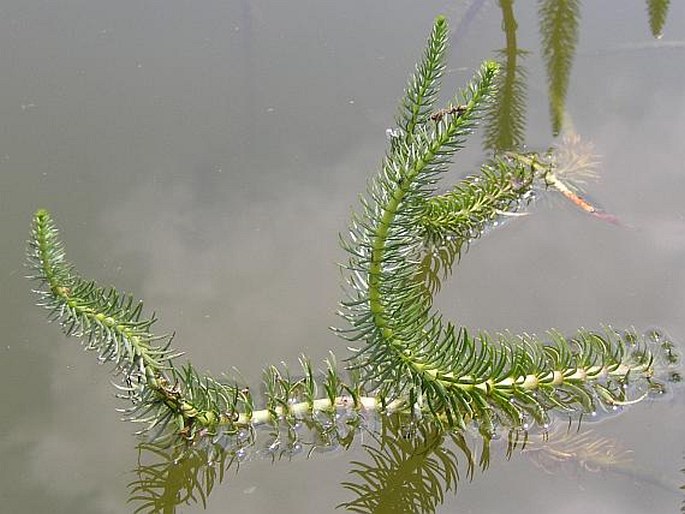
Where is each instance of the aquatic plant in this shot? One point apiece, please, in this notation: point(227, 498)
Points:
point(403, 240)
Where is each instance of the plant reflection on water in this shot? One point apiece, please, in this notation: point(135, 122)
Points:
point(410, 466)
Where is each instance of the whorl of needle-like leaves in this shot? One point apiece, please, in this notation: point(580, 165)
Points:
point(407, 349)
point(410, 361)
point(112, 324)
point(171, 400)
point(423, 88)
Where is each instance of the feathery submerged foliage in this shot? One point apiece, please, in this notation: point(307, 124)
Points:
point(402, 242)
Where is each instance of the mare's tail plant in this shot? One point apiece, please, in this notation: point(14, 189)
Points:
point(408, 358)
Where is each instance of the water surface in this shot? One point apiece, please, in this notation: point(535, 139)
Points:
point(205, 157)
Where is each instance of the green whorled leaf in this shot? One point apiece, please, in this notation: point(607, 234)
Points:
point(406, 347)
point(658, 12)
point(505, 123)
point(109, 322)
point(422, 89)
point(410, 360)
point(166, 400)
point(453, 220)
point(501, 188)
point(434, 377)
point(559, 20)
point(169, 401)
point(385, 240)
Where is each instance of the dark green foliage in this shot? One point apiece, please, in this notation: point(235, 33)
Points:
point(406, 348)
point(402, 242)
point(422, 92)
point(453, 220)
point(166, 399)
point(476, 202)
point(110, 323)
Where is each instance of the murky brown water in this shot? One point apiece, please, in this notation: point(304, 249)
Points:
point(205, 156)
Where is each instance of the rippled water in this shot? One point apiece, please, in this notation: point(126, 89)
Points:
point(205, 156)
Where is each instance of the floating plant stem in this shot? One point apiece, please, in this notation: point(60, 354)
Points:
point(410, 361)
